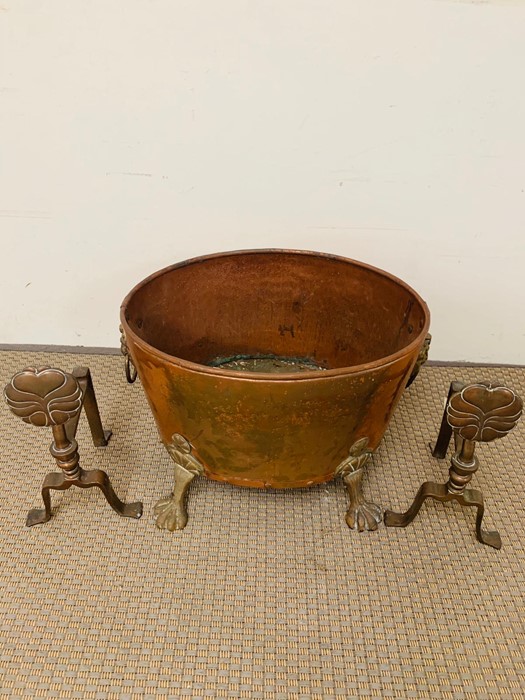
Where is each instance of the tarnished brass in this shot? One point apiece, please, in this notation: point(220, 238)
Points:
point(171, 512)
point(421, 358)
point(129, 367)
point(361, 514)
point(479, 412)
point(50, 397)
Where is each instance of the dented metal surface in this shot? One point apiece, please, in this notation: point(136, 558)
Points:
point(362, 327)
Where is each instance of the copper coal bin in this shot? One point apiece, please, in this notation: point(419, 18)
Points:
point(273, 368)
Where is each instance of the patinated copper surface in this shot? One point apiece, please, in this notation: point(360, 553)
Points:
point(362, 326)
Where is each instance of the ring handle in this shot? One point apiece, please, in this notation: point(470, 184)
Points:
point(129, 367)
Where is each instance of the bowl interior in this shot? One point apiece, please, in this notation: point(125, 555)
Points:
point(331, 311)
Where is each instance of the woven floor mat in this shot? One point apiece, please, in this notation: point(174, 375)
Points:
point(265, 594)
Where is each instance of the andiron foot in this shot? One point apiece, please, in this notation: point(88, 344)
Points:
point(50, 397)
point(479, 412)
point(171, 512)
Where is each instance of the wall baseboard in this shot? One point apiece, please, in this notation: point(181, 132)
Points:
point(71, 349)
point(88, 350)
point(463, 363)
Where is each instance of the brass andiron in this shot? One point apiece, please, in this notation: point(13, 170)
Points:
point(479, 412)
point(51, 397)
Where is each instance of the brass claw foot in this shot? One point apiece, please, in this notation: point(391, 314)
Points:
point(171, 512)
point(51, 397)
point(362, 514)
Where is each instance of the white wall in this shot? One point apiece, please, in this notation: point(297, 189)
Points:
point(136, 133)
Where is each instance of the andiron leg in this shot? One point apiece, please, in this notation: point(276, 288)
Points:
point(439, 492)
point(99, 478)
point(55, 481)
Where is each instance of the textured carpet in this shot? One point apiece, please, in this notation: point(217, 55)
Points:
point(264, 594)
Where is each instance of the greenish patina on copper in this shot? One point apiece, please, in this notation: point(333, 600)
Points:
point(266, 363)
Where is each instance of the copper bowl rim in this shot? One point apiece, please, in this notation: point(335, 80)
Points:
point(284, 376)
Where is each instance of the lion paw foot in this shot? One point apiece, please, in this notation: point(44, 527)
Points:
point(365, 516)
point(171, 514)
